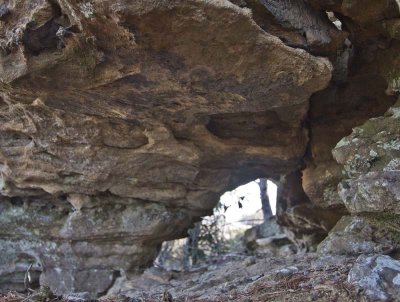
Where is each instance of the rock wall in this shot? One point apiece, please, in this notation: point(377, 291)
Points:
point(363, 85)
point(122, 122)
point(371, 189)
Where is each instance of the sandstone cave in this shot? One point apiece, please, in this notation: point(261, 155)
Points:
point(123, 122)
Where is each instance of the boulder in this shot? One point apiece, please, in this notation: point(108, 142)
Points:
point(370, 191)
point(378, 276)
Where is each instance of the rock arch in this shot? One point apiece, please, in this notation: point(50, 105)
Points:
point(150, 110)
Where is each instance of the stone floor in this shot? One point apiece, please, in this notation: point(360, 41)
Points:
point(245, 278)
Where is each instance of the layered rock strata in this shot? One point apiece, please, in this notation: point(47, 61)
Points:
point(122, 122)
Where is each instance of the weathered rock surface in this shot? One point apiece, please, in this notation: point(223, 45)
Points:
point(268, 238)
point(297, 278)
point(297, 24)
point(371, 160)
point(358, 235)
point(82, 250)
point(268, 228)
point(370, 157)
point(378, 276)
point(364, 85)
point(122, 122)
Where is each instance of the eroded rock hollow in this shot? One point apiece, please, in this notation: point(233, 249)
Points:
point(122, 122)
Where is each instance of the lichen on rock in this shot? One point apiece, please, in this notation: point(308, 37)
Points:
point(123, 122)
point(118, 127)
point(370, 190)
point(378, 276)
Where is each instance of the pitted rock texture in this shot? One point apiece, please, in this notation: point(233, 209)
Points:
point(360, 235)
point(82, 250)
point(122, 122)
point(158, 93)
point(297, 24)
point(364, 85)
point(378, 276)
point(370, 157)
point(241, 278)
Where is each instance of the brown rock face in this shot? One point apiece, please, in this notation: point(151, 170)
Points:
point(361, 87)
point(122, 122)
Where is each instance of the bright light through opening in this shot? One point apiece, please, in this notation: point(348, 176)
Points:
point(272, 193)
point(249, 197)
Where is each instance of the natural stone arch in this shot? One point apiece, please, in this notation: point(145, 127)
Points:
point(119, 129)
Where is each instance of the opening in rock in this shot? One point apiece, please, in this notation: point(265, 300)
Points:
point(239, 219)
point(334, 20)
point(247, 201)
